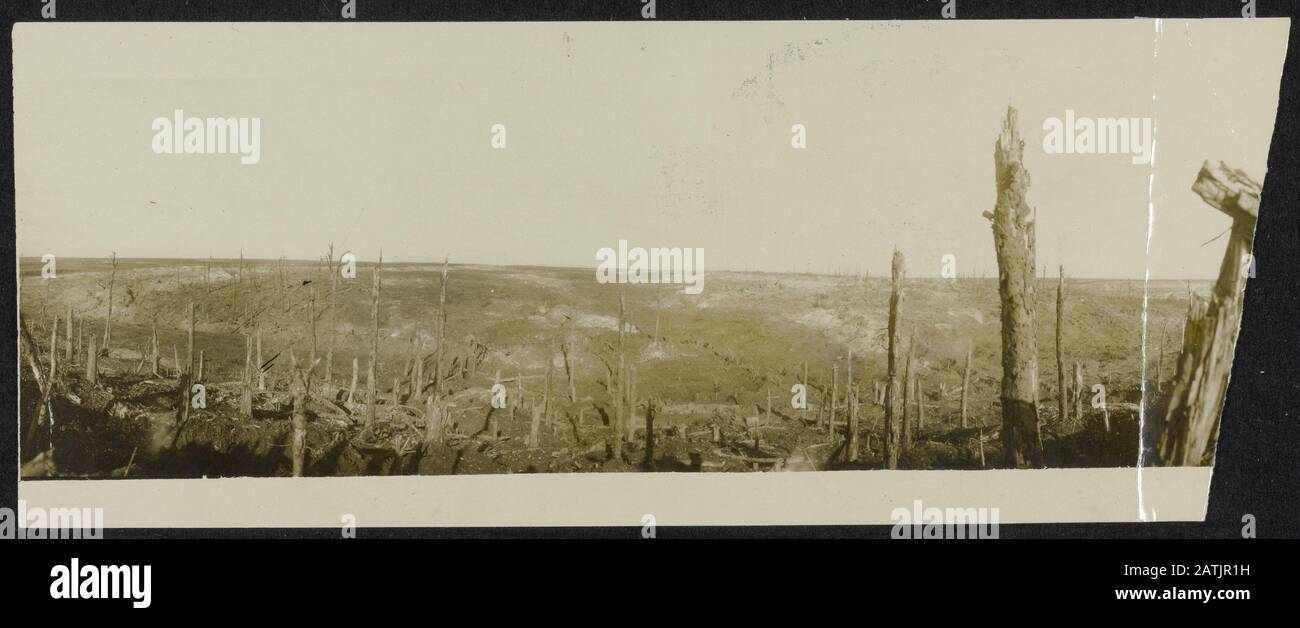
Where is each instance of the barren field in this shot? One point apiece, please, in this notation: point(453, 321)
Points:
point(716, 377)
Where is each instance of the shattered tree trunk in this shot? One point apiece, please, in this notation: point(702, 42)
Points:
point(442, 329)
point(1188, 431)
point(1013, 237)
point(1062, 396)
point(891, 387)
point(108, 320)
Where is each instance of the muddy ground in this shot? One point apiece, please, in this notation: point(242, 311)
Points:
point(709, 370)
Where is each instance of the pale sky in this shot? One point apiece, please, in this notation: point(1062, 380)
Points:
point(376, 135)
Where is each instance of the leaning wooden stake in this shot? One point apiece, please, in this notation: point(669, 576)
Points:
point(1012, 221)
point(891, 446)
point(1186, 435)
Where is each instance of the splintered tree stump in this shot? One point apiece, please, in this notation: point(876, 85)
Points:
point(1185, 436)
point(1012, 221)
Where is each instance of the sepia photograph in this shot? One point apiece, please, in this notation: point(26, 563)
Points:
point(427, 257)
point(292, 279)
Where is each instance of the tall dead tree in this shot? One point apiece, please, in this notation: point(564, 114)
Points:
point(891, 388)
point(619, 394)
point(372, 397)
point(441, 331)
point(187, 379)
point(329, 350)
point(1185, 436)
point(1012, 222)
point(108, 320)
point(1062, 396)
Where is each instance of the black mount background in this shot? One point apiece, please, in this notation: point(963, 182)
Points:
point(1257, 469)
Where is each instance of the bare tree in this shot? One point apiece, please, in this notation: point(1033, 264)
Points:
point(108, 320)
point(897, 270)
point(1013, 237)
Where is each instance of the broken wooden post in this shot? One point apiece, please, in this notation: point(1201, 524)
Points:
point(372, 398)
point(1012, 221)
point(108, 320)
point(1061, 394)
point(1186, 434)
point(442, 329)
point(965, 382)
point(891, 446)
